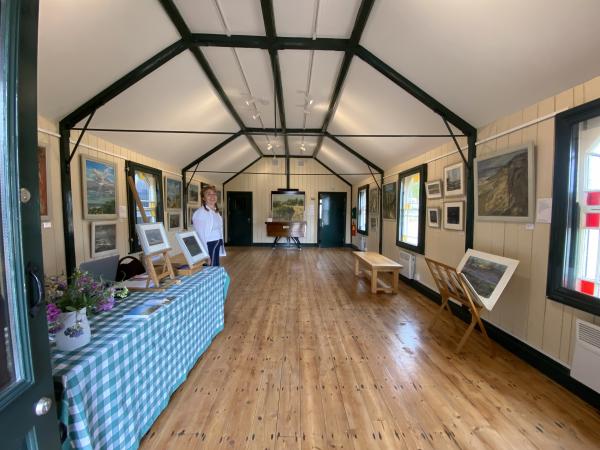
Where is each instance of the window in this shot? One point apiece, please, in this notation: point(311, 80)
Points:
point(149, 187)
point(573, 266)
point(363, 209)
point(411, 209)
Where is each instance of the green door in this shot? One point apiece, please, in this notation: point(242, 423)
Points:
point(332, 219)
point(27, 408)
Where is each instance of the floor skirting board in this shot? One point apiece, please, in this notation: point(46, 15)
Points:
point(549, 367)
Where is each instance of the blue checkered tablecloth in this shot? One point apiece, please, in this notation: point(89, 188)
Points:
point(117, 385)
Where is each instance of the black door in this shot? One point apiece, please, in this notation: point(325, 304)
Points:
point(332, 219)
point(239, 218)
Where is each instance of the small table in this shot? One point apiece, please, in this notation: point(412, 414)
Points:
point(289, 230)
point(377, 263)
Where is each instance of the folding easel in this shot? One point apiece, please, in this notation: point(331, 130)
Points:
point(450, 283)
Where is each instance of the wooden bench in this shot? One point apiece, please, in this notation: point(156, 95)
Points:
point(377, 263)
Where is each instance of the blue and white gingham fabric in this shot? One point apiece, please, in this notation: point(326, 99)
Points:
point(117, 385)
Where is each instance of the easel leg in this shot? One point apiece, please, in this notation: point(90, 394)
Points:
point(438, 312)
point(484, 332)
point(466, 335)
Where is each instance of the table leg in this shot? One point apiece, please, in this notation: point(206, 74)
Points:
point(356, 266)
point(395, 281)
point(373, 281)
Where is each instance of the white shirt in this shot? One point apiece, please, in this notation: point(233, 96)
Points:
point(209, 226)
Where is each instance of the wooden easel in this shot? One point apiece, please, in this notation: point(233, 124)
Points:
point(190, 270)
point(451, 285)
point(167, 268)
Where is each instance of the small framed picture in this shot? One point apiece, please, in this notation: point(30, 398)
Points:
point(191, 211)
point(174, 220)
point(99, 183)
point(373, 223)
point(193, 193)
point(454, 180)
point(104, 239)
point(192, 247)
point(433, 217)
point(434, 189)
point(172, 193)
point(453, 215)
point(153, 237)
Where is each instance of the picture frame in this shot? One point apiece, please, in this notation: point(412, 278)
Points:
point(454, 180)
point(454, 215)
point(191, 211)
point(504, 183)
point(287, 206)
point(433, 189)
point(389, 201)
point(174, 220)
point(173, 193)
point(99, 184)
point(193, 193)
point(486, 275)
point(192, 248)
point(374, 201)
point(153, 237)
point(433, 217)
point(103, 239)
point(44, 184)
point(373, 223)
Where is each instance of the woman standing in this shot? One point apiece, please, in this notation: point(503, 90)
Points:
point(208, 223)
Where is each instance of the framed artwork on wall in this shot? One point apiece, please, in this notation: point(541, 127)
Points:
point(433, 189)
point(99, 179)
point(454, 180)
point(193, 194)
point(374, 201)
point(174, 220)
point(454, 215)
point(287, 206)
point(373, 222)
point(433, 217)
point(389, 201)
point(153, 237)
point(191, 211)
point(104, 239)
point(172, 193)
point(44, 177)
point(505, 185)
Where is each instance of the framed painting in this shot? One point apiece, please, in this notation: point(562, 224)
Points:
point(433, 217)
point(374, 201)
point(104, 239)
point(172, 193)
point(505, 185)
point(433, 189)
point(193, 193)
point(389, 201)
point(287, 206)
point(373, 223)
point(44, 177)
point(174, 220)
point(454, 180)
point(191, 211)
point(153, 237)
point(192, 248)
point(454, 215)
point(99, 179)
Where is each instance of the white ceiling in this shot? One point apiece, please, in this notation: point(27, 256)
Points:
point(480, 59)
point(339, 160)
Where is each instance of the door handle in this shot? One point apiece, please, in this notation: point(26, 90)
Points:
point(37, 296)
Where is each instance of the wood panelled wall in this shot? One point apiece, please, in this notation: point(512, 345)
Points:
point(52, 237)
point(523, 310)
point(301, 178)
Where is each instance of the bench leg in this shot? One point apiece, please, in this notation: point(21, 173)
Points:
point(356, 266)
point(373, 282)
point(395, 281)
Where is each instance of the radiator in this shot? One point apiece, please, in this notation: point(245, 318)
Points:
point(586, 358)
point(408, 264)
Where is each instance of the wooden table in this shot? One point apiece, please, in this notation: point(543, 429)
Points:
point(377, 263)
point(289, 230)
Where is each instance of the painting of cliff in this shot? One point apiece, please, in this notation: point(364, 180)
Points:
point(504, 185)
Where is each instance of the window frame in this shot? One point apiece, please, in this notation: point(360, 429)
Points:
point(364, 188)
point(422, 171)
point(130, 168)
point(564, 190)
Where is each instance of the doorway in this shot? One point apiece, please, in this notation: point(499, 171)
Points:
point(332, 219)
point(239, 218)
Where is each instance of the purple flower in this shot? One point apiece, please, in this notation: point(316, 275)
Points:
point(52, 312)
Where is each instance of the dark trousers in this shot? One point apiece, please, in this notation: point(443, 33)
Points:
point(214, 248)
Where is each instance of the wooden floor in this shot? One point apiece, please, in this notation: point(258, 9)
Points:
point(310, 359)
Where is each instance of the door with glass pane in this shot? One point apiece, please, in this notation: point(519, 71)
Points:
point(28, 416)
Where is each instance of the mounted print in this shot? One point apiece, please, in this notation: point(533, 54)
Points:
point(99, 188)
point(433, 217)
point(433, 189)
point(454, 180)
point(193, 195)
point(389, 201)
point(44, 177)
point(104, 239)
point(174, 220)
point(373, 221)
point(192, 248)
point(152, 237)
point(172, 193)
point(454, 215)
point(505, 185)
point(374, 201)
point(191, 211)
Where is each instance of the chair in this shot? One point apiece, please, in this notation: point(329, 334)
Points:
point(451, 285)
point(105, 268)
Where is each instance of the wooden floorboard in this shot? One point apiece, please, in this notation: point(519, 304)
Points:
point(310, 359)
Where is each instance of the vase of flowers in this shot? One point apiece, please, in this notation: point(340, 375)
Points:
point(69, 302)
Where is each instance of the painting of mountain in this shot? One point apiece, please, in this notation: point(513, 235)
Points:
point(483, 275)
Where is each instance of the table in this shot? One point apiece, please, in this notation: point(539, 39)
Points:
point(288, 229)
point(117, 385)
point(378, 263)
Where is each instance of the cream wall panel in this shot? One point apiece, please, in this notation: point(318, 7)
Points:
point(303, 178)
point(52, 238)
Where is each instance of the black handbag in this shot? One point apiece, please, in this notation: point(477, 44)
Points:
point(127, 270)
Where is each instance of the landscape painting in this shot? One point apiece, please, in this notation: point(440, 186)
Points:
point(434, 189)
point(154, 237)
point(504, 185)
point(99, 189)
point(287, 207)
point(174, 220)
point(433, 217)
point(454, 180)
point(173, 193)
point(193, 193)
point(389, 201)
point(104, 239)
point(453, 215)
point(374, 201)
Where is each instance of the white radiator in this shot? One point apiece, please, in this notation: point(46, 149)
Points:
point(408, 264)
point(586, 359)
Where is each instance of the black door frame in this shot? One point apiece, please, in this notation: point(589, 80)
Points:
point(319, 214)
point(228, 209)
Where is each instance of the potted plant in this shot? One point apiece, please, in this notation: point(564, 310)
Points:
point(67, 304)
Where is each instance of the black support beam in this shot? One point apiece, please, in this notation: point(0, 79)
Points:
point(353, 152)
point(241, 171)
point(265, 43)
point(212, 151)
point(333, 172)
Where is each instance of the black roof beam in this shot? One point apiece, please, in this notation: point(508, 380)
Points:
point(212, 151)
point(332, 171)
point(353, 152)
point(266, 43)
point(241, 171)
